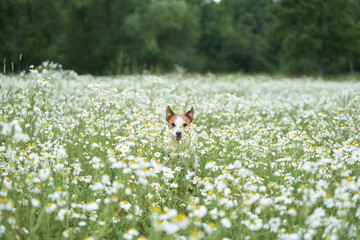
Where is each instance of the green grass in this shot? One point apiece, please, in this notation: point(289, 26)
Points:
point(86, 157)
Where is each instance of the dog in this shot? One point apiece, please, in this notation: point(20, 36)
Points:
point(181, 139)
point(179, 125)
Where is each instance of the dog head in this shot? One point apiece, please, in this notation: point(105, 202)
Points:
point(179, 125)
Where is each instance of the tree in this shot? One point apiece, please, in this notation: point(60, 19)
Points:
point(94, 33)
point(352, 50)
point(217, 27)
point(235, 36)
point(250, 42)
point(313, 32)
point(162, 33)
point(29, 28)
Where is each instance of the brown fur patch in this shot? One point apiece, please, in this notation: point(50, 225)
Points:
point(174, 117)
point(171, 117)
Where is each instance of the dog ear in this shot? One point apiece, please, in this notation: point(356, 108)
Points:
point(190, 114)
point(169, 113)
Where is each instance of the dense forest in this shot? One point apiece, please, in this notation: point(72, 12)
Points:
point(132, 36)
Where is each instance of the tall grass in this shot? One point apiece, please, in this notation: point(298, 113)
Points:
point(85, 157)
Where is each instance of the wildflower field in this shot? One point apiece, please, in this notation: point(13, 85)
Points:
point(84, 157)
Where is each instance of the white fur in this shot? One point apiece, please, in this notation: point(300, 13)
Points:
point(188, 140)
point(185, 147)
point(179, 121)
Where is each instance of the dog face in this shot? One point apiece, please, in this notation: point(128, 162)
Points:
point(179, 125)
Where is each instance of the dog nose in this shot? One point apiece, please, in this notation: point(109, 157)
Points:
point(178, 133)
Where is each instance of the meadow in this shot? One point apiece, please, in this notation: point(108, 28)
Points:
point(84, 157)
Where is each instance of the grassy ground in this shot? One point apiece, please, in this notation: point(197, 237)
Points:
point(84, 157)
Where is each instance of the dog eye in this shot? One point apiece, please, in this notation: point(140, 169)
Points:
point(173, 124)
point(185, 125)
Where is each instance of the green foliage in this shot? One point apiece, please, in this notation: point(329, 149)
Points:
point(249, 43)
point(28, 28)
point(132, 36)
point(315, 34)
point(162, 33)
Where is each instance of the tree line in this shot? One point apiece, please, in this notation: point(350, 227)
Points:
point(132, 36)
